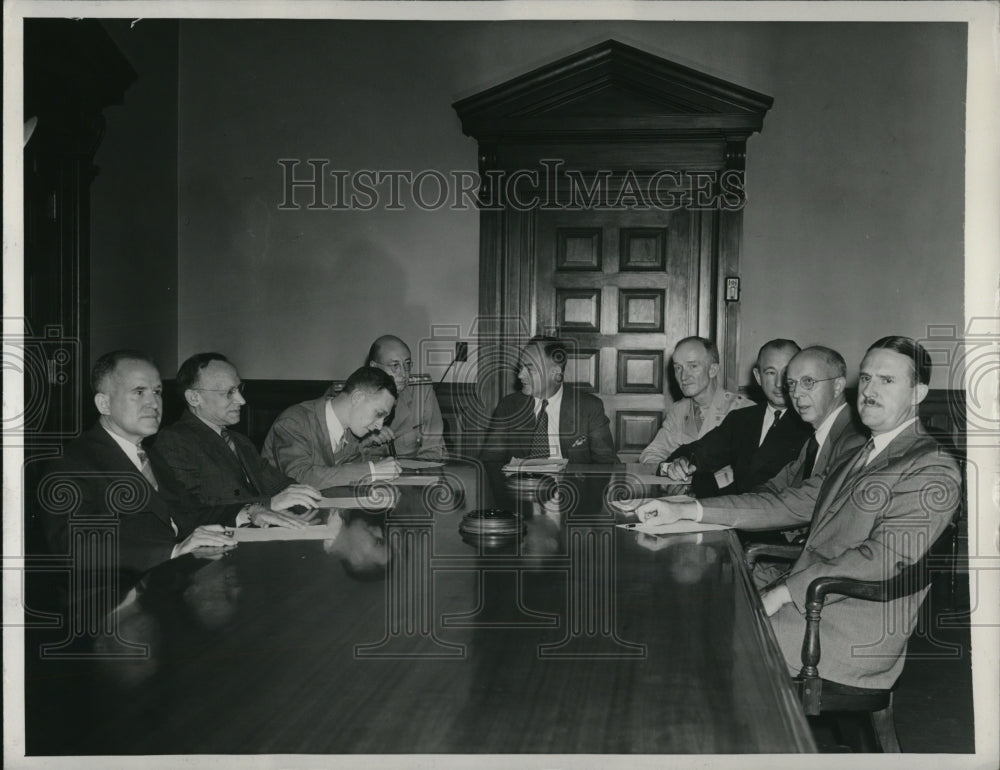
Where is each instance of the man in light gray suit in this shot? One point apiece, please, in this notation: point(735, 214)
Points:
point(873, 512)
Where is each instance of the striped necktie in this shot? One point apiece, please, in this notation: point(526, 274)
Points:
point(146, 468)
point(227, 437)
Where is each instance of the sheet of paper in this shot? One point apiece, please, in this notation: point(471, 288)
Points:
point(651, 527)
point(412, 481)
point(536, 465)
point(407, 463)
point(650, 478)
point(268, 534)
point(350, 501)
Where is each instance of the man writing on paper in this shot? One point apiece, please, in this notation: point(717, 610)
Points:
point(215, 463)
point(751, 444)
point(875, 511)
point(318, 442)
point(705, 404)
point(548, 419)
point(416, 428)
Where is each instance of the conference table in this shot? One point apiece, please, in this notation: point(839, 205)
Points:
point(403, 633)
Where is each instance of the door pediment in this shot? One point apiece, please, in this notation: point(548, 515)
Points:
point(614, 91)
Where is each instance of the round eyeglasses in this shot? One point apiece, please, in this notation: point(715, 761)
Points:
point(807, 383)
point(229, 393)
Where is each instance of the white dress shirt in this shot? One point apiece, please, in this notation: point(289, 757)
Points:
point(882, 440)
point(824, 427)
point(132, 451)
point(337, 431)
point(769, 420)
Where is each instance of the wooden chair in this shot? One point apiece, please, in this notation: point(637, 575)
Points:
point(819, 695)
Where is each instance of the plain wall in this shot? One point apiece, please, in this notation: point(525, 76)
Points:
point(853, 228)
point(133, 243)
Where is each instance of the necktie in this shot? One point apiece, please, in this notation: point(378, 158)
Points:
point(812, 448)
point(146, 468)
point(859, 462)
point(698, 417)
point(774, 425)
point(227, 437)
point(540, 438)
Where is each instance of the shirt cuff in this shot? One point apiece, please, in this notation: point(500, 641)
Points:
point(698, 511)
point(371, 469)
point(173, 551)
point(243, 517)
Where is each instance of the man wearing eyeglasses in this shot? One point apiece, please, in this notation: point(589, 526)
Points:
point(114, 477)
point(217, 464)
point(416, 428)
point(873, 512)
point(750, 445)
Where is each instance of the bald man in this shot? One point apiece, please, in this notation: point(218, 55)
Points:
point(416, 428)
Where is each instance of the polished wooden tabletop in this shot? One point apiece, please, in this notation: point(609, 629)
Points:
point(402, 635)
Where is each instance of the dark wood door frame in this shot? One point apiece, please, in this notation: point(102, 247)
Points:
point(610, 108)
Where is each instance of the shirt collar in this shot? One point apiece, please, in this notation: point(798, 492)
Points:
point(824, 427)
point(334, 426)
point(130, 449)
point(883, 440)
point(211, 425)
point(555, 401)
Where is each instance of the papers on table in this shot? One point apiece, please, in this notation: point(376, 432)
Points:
point(348, 501)
point(536, 465)
point(408, 464)
point(653, 527)
point(652, 479)
point(268, 534)
point(411, 481)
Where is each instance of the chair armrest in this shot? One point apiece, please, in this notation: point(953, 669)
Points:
point(908, 580)
point(755, 551)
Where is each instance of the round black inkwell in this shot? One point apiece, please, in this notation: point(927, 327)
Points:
point(491, 528)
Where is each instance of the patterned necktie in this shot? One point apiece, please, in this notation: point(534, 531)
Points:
point(227, 437)
point(146, 468)
point(812, 449)
point(540, 438)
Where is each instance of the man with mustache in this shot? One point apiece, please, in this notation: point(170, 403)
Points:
point(215, 463)
point(704, 406)
point(751, 445)
point(873, 512)
point(114, 477)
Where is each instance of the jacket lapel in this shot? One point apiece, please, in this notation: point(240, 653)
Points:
point(111, 456)
point(834, 495)
point(214, 444)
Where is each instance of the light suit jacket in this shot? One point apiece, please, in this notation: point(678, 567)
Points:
point(867, 528)
point(299, 446)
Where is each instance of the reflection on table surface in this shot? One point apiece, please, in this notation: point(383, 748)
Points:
point(400, 634)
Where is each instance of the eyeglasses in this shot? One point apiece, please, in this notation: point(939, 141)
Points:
point(397, 367)
point(807, 383)
point(229, 393)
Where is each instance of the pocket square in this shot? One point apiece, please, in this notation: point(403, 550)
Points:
point(579, 442)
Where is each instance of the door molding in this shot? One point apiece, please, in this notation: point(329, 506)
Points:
point(616, 109)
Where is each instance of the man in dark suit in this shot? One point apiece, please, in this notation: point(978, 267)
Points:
point(216, 464)
point(109, 478)
point(548, 419)
point(751, 445)
point(872, 513)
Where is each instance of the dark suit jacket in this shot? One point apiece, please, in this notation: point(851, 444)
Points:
point(585, 435)
point(206, 466)
point(734, 443)
point(95, 482)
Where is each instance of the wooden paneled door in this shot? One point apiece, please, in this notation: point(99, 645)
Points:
point(565, 249)
point(622, 286)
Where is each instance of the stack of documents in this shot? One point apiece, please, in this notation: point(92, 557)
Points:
point(536, 465)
